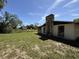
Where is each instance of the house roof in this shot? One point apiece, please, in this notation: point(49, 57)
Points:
point(58, 22)
point(42, 25)
point(62, 22)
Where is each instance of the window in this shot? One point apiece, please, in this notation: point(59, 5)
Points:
point(61, 31)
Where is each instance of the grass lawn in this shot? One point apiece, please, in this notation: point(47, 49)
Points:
point(27, 45)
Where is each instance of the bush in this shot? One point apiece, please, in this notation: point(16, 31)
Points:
point(7, 29)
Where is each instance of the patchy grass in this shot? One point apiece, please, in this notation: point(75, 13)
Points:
point(27, 45)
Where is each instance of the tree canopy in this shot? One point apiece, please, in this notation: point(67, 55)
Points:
point(76, 20)
point(9, 22)
point(2, 3)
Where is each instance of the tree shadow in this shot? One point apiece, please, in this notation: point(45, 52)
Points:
point(59, 39)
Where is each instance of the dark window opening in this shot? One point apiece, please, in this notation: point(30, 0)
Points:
point(61, 31)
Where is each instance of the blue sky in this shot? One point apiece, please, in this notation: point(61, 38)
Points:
point(34, 11)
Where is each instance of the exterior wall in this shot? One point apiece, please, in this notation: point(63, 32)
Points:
point(43, 30)
point(55, 30)
point(69, 31)
point(77, 30)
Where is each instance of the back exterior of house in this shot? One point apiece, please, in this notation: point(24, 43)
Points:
point(63, 29)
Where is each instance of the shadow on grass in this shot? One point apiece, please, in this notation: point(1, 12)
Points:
point(65, 41)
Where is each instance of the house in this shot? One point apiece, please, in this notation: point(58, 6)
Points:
point(63, 29)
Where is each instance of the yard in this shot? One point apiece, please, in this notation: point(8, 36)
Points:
point(27, 45)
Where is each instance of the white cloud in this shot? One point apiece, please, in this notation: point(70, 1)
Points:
point(42, 21)
point(71, 2)
point(57, 2)
point(57, 15)
point(52, 7)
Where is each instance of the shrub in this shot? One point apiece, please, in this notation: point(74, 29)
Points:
point(7, 29)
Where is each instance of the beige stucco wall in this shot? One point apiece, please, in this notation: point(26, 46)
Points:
point(55, 30)
point(69, 31)
point(77, 30)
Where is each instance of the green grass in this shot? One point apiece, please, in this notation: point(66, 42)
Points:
point(27, 45)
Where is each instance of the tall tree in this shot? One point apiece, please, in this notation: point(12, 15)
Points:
point(15, 21)
point(2, 3)
point(5, 25)
point(9, 22)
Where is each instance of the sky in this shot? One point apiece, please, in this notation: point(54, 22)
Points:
point(35, 11)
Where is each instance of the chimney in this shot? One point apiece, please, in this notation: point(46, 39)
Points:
point(49, 23)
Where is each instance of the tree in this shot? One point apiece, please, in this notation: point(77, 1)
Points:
point(32, 26)
point(15, 21)
point(5, 28)
point(5, 25)
point(23, 27)
point(36, 26)
point(9, 22)
point(76, 20)
point(2, 3)
point(12, 19)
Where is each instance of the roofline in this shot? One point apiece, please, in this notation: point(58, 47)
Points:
point(58, 21)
